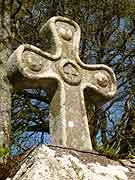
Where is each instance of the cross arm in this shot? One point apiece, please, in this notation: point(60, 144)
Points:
point(17, 59)
point(29, 65)
point(100, 82)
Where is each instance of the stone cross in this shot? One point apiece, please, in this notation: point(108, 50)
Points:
point(59, 69)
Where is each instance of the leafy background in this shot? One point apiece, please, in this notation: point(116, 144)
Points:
point(108, 37)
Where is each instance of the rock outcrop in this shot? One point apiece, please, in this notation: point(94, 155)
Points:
point(58, 163)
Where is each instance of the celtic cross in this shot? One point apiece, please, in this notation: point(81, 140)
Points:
point(59, 69)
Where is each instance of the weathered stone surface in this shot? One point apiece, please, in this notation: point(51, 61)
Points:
point(60, 70)
point(5, 101)
point(46, 163)
point(130, 163)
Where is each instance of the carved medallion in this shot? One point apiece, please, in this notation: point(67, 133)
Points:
point(70, 72)
point(32, 62)
point(66, 34)
point(102, 79)
point(65, 30)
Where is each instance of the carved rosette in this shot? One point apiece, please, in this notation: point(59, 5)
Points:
point(70, 72)
point(65, 31)
point(32, 62)
point(102, 79)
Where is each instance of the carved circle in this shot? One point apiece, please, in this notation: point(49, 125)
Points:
point(66, 34)
point(102, 79)
point(70, 72)
point(32, 62)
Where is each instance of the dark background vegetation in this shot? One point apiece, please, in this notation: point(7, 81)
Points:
point(108, 37)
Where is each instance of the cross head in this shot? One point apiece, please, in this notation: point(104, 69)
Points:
point(59, 69)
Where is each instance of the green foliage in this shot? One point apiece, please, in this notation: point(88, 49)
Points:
point(117, 178)
point(4, 152)
point(131, 156)
point(107, 151)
